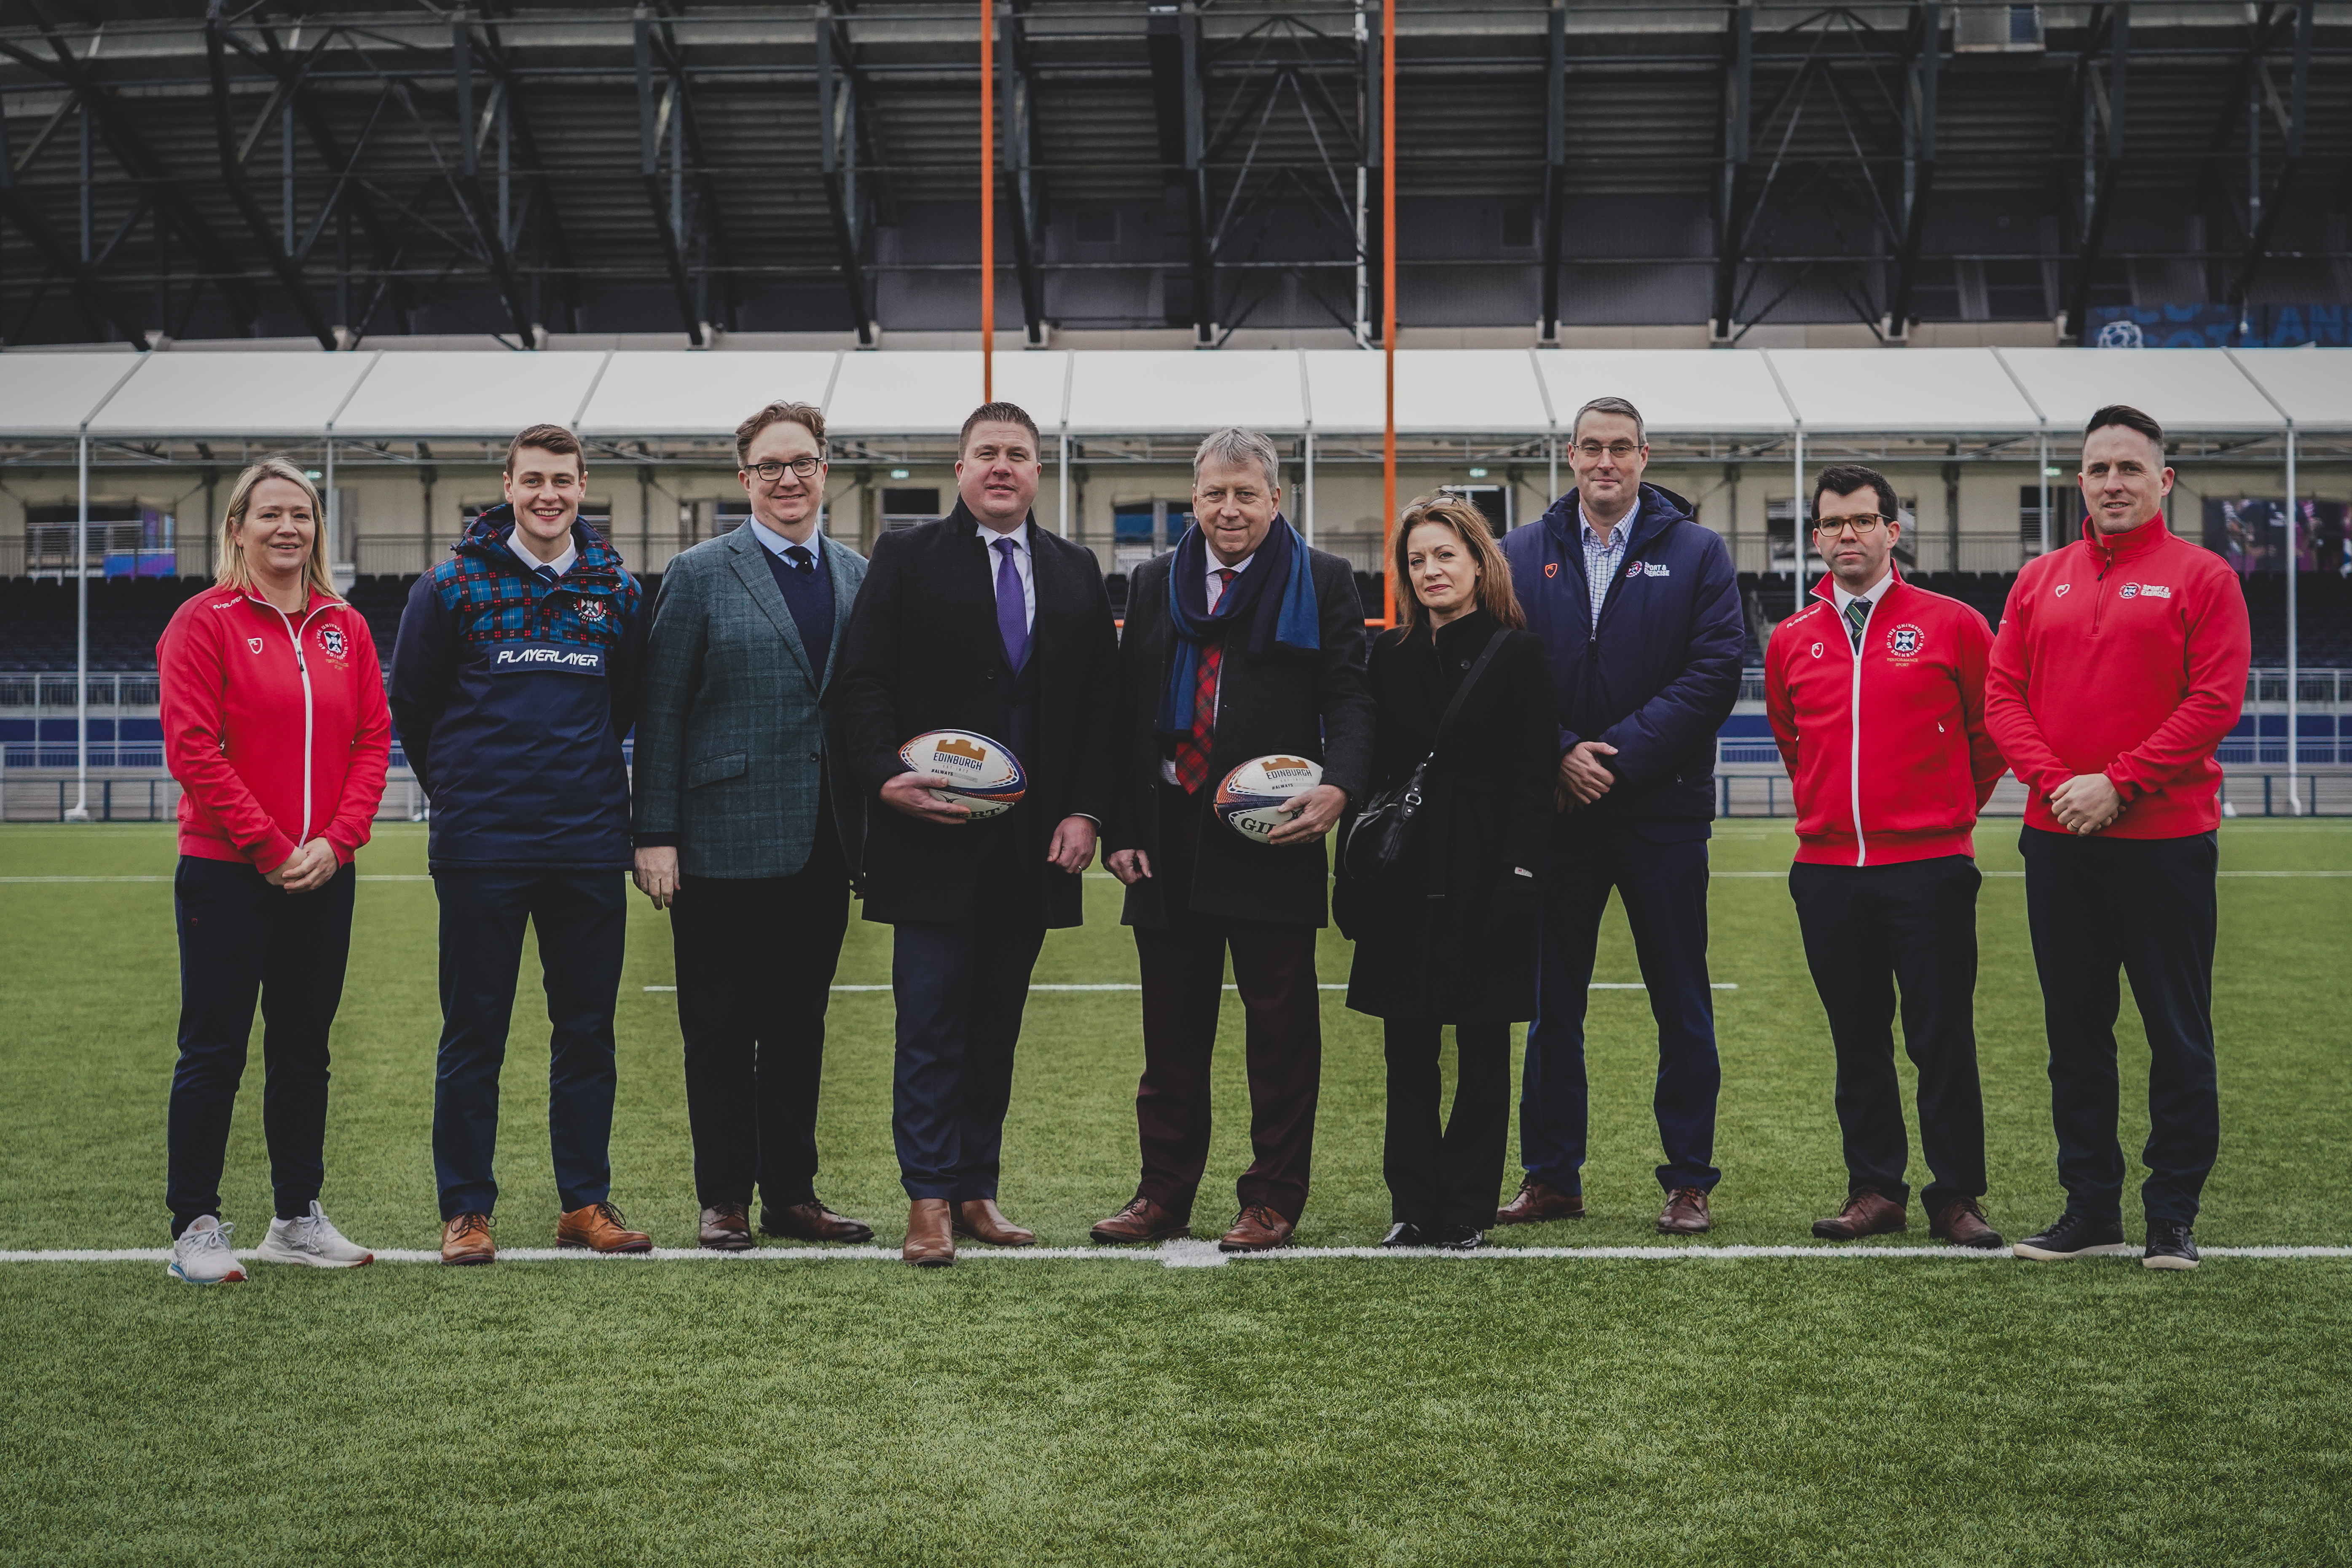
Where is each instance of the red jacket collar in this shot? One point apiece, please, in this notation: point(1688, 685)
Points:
point(1826, 587)
point(2128, 545)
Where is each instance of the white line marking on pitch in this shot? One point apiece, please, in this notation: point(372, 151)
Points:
point(1597, 985)
point(1192, 1255)
point(422, 877)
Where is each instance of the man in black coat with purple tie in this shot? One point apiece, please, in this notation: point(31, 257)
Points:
point(981, 621)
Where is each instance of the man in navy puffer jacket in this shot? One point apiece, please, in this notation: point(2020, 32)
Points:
point(513, 683)
point(1639, 606)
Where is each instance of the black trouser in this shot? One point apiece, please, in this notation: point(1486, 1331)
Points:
point(581, 919)
point(960, 987)
point(243, 940)
point(1869, 928)
point(1452, 1175)
point(2144, 906)
point(755, 965)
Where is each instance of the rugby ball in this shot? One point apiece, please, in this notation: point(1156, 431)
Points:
point(1251, 799)
point(988, 778)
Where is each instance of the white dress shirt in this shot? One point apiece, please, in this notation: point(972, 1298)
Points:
point(532, 563)
point(1021, 564)
point(1872, 593)
point(1216, 591)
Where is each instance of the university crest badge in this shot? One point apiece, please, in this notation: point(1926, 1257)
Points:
point(331, 639)
point(1904, 641)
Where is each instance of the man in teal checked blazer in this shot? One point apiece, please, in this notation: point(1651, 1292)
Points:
point(735, 833)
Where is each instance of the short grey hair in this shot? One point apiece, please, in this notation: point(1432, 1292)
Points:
point(1234, 445)
point(1612, 406)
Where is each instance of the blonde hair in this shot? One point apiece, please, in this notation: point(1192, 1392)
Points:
point(1493, 589)
point(232, 572)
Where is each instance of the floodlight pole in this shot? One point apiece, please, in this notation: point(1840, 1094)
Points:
point(1064, 482)
point(81, 811)
point(987, 200)
point(2042, 478)
point(2294, 666)
point(1797, 522)
point(334, 519)
point(1387, 305)
point(1308, 495)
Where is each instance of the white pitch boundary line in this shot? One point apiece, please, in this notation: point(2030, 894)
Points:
point(1193, 1255)
point(420, 876)
point(1596, 985)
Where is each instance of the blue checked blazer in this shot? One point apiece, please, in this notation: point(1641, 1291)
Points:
point(731, 749)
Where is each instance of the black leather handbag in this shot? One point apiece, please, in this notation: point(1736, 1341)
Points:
point(1377, 841)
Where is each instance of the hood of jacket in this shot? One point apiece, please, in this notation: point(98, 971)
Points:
point(1657, 509)
point(598, 570)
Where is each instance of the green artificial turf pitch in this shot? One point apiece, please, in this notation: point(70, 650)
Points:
point(1470, 1411)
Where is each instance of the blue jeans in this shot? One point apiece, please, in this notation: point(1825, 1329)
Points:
point(582, 918)
point(1664, 889)
point(244, 942)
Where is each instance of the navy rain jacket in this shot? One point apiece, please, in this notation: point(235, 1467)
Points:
point(1658, 676)
point(512, 697)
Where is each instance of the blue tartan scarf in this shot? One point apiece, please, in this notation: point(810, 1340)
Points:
point(1285, 617)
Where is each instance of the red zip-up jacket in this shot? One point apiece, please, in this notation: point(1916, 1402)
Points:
point(2124, 654)
point(274, 724)
point(1886, 747)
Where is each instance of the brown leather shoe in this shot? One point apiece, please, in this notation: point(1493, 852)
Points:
point(982, 1220)
point(1141, 1220)
point(1866, 1213)
point(930, 1236)
point(726, 1228)
point(599, 1227)
point(1686, 1213)
point(1962, 1223)
point(466, 1239)
point(1541, 1201)
point(1257, 1228)
point(812, 1221)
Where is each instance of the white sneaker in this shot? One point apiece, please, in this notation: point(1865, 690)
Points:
point(312, 1240)
point(201, 1255)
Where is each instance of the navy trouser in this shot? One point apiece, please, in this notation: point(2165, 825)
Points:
point(241, 941)
point(1867, 930)
point(755, 965)
point(2142, 906)
point(959, 986)
point(581, 918)
point(1664, 889)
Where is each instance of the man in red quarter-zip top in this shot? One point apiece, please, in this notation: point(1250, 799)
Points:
point(2120, 664)
point(1876, 695)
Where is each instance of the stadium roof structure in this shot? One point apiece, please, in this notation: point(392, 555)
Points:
point(1506, 394)
point(535, 170)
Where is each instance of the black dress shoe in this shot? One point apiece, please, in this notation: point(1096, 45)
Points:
point(1404, 1232)
point(2169, 1245)
point(2074, 1236)
point(1458, 1237)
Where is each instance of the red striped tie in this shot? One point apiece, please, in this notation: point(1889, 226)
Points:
point(1192, 751)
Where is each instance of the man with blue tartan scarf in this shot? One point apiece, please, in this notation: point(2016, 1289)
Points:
point(1242, 642)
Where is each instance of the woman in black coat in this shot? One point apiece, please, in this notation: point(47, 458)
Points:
point(1449, 937)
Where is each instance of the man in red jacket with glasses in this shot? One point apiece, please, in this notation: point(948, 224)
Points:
point(1876, 695)
point(2120, 665)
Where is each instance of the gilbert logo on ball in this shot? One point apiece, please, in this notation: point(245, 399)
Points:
point(989, 779)
point(1251, 799)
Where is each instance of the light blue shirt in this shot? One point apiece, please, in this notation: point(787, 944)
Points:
point(1601, 561)
point(776, 543)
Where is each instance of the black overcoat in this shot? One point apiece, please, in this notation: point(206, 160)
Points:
point(1422, 947)
point(922, 652)
point(1314, 705)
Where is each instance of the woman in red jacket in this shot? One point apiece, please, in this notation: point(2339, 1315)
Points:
point(275, 725)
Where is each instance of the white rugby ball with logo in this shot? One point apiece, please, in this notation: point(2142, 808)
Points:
point(989, 779)
point(1251, 798)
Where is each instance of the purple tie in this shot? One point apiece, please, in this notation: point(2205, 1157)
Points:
point(1012, 612)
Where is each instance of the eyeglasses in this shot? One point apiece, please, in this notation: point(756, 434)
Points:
point(1618, 451)
point(1864, 524)
point(770, 472)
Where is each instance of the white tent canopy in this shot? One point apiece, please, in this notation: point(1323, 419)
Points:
point(1506, 393)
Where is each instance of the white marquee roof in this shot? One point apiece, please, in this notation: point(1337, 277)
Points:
point(1503, 392)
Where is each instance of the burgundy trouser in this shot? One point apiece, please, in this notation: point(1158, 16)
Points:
point(1183, 982)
